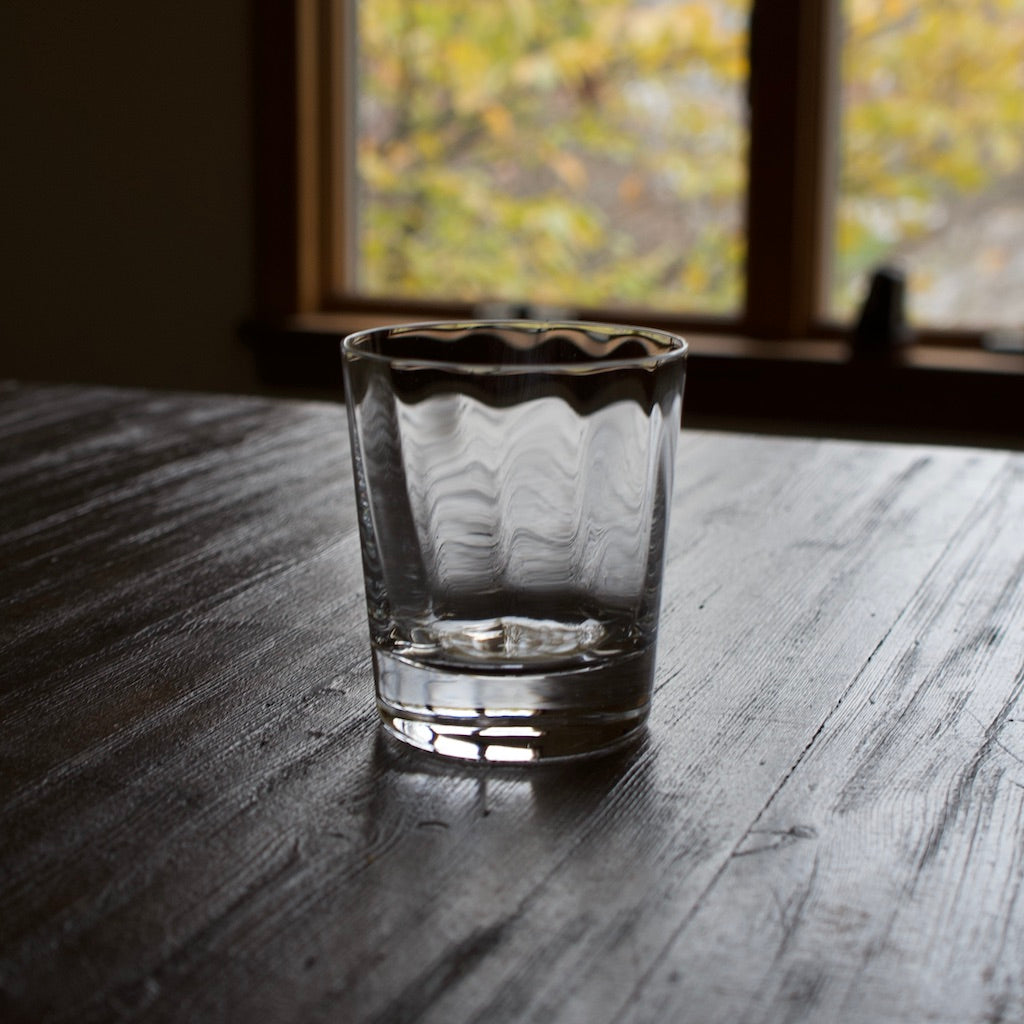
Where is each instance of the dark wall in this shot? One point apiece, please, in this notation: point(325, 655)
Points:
point(125, 183)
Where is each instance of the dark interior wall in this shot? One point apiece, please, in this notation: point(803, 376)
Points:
point(125, 183)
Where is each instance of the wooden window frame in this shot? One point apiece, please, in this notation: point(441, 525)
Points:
point(303, 99)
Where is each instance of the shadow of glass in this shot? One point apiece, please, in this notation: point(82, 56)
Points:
point(562, 795)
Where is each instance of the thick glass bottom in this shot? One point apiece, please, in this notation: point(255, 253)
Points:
point(519, 715)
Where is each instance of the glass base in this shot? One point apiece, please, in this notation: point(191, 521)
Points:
point(515, 716)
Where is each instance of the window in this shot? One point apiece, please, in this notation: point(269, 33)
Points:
point(570, 152)
point(931, 153)
point(685, 163)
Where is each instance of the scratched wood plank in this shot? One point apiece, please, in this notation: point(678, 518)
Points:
point(884, 879)
point(200, 820)
point(818, 548)
point(131, 653)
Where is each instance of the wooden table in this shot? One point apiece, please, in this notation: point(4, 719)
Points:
point(200, 819)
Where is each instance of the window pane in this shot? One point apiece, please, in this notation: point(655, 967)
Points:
point(932, 155)
point(567, 152)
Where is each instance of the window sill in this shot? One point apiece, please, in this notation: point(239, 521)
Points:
point(922, 392)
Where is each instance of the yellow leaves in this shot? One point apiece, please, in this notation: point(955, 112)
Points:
point(651, 26)
point(535, 70)
point(646, 39)
point(661, 35)
point(695, 280)
point(558, 229)
point(577, 58)
point(498, 121)
point(469, 69)
point(1006, 152)
point(850, 232)
point(632, 188)
point(525, 15)
point(375, 169)
point(932, 96)
point(869, 15)
point(569, 168)
point(504, 139)
point(732, 64)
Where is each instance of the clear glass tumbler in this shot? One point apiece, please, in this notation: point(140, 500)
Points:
point(513, 481)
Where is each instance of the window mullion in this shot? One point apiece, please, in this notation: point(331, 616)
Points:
point(790, 101)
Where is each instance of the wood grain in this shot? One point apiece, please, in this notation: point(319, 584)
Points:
point(199, 819)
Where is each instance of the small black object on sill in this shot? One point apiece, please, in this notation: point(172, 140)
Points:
point(881, 329)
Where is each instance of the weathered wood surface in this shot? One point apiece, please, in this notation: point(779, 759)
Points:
point(199, 819)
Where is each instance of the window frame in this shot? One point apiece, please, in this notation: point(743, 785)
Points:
point(304, 97)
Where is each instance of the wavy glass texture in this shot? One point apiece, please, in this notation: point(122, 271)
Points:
point(513, 524)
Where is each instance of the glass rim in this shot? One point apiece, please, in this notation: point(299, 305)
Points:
point(676, 347)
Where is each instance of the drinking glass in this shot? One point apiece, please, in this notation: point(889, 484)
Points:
point(513, 481)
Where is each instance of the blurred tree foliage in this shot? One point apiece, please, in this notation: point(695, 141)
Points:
point(933, 98)
point(593, 152)
point(531, 148)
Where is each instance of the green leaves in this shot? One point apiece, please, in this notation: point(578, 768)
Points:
point(592, 152)
point(551, 150)
point(933, 105)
